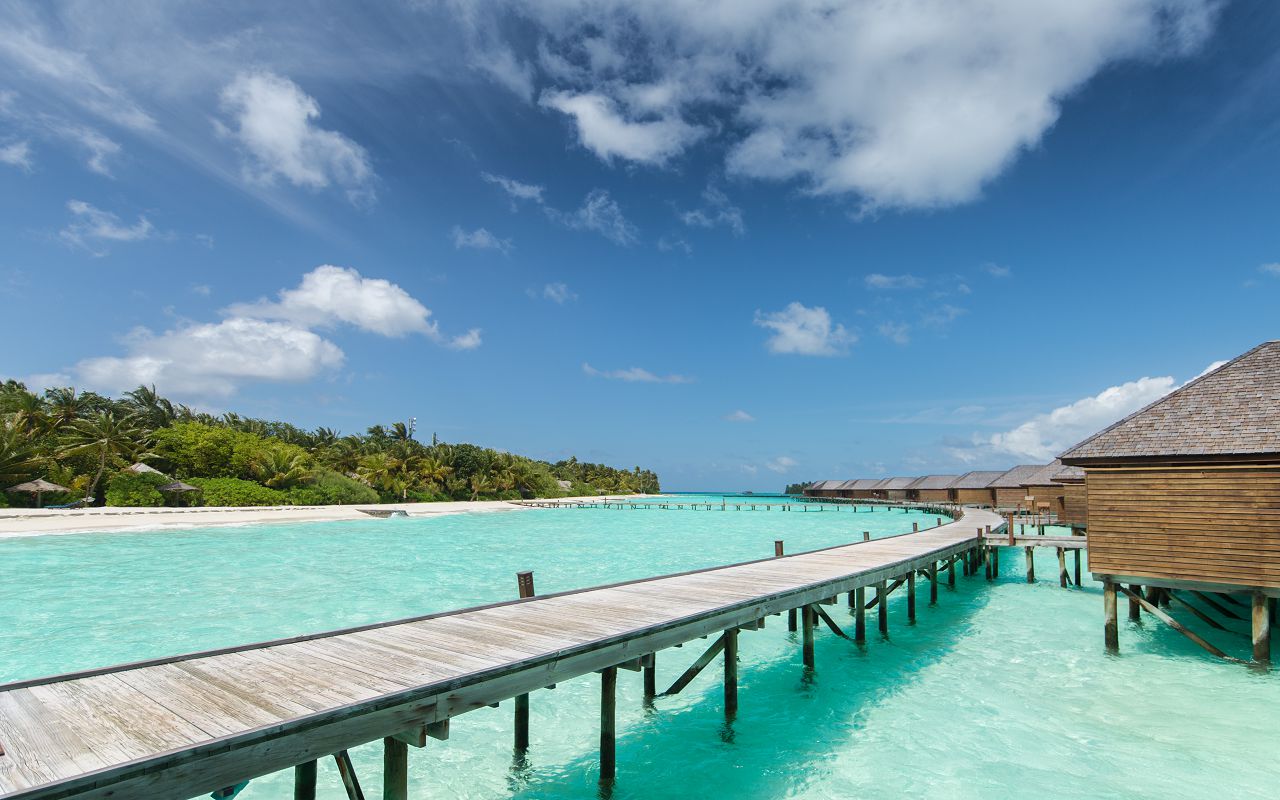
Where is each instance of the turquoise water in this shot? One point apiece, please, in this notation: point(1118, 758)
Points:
point(1001, 690)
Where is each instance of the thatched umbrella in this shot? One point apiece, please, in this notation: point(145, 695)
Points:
point(141, 469)
point(178, 488)
point(38, 487)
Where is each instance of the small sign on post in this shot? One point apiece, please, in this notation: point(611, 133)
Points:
point(524, 583)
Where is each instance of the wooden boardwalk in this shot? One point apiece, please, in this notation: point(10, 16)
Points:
point(188, 725)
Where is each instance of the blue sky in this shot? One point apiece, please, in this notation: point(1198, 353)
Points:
point(740, 243)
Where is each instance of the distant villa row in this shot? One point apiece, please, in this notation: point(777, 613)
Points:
point(1053, 488)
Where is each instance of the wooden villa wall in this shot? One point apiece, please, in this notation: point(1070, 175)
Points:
point(896, 494)
point(932, 495)
point(977, 497)
point(1207, 524)
point(1051, 494)
point(1011, 497)
point(1074, 504)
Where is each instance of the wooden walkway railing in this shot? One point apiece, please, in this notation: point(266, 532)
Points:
point(206, 722)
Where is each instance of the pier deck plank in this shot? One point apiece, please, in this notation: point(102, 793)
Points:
point(188, 725)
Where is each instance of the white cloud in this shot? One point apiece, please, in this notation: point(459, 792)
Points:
point(92, 228)
point(804, 331)
point(213, 359)
point(717, 211)
point(782, 464)
point(514, 188)
point(1270, 269)
point(16, 154)
point(599, 213)
point(912, 104)
point(328, 295)
point(669, 244)
point(273, 121)
point(997, 271)
point(466, 341)
point(558, 293)
point(605, 131)
point(896, 332)
point(877, 281)
point(479, 239)
point(634, 375)
point(202, 289)
point(739, 416)
point(100, 147)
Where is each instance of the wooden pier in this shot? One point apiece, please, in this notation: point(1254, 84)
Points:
point(738, 504)
point(207, 722)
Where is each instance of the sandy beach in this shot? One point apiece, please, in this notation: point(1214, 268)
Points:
point(17, 522)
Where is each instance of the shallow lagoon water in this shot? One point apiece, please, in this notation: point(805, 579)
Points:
point(1001, 690)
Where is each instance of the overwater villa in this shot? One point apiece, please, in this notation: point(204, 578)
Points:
point(1008, 490)
point(931, 489)
point(974, 488)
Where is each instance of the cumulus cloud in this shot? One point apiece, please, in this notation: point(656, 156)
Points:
point(604, 130)
point(16, 154)
point(997, 270)
point(739, 416)
point(599, 213)
point(274, 123)
point(558, 293)
point(329, 295)
point(805, 331)
point(911, 104)
point(479, 239)
point(466, 341)
point(782, 464)
point(716, 211)
point(896, 332)
point(877, 281)
point(634, 375)
point(93, 229)
point(213, 359)
point(515, 189)
point(1270, 269)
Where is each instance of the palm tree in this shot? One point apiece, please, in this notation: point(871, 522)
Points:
point(434, 471)
point(108, 438)
point(150, 407)
point(18, 458)
point(400, 432)
point(64, 405)
point(279, 468)
point(481, 485)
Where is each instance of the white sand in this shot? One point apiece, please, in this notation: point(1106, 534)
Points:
point(16, 522)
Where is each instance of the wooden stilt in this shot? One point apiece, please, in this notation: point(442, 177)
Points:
point(911, 596)
point(1111, 628)
point(933, 583)
point(1208, 620)
point(608, 739)
point(731, 672)
point(995, 561)
point(882, 607)
point(951, 572)
point(806, 616)
point(304, 781)
point(1135, 608)
point(1031, 565)
point(1064, 580)
point(1078, 552)
point(651, 678)
point(1159, 613)
point(860, 614)
point(791, 620)
point(985, 555)
point(522, 724)
point(1261, 630)
point(1215, 605)
point(395, 769)
point(348, 774)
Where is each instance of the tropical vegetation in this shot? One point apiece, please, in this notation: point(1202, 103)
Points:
point(86, 441)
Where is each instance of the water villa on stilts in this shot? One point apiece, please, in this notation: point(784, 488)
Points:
point(1183, 500)
point(931, 489)
point(974, 488)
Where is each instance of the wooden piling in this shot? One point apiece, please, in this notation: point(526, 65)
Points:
point(651, 677)
point(882, 607)
point(1063, 579)
point(859, 596)
point(791, 614)
point(1031, 565)
point(304, 781)
point(911, 596)
point(806, 616)
point(1135, 608)
point(951, 572)
point(731, 672)
point(395, 769)
point(524, 586)
point(1077, 576)
point(1261, 619)
point(1111, 630)
point(933, 583)
point(608, 720)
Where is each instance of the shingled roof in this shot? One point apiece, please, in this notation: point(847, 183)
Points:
point(822, 486)
point(896, 483)
point(979, 479)
point(866, 483)
point(1232, 411)
point(1068, 475)
point(1044, 476)
point(847, 484)
point(933, 482)
point(1016, 477)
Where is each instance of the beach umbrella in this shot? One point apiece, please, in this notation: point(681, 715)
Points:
point(143, 469)
point(38, 487)
point(178, 488)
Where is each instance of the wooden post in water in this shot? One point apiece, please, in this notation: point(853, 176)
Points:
point(524, 586)
point(951, 572)
point(915, 527)
point(608, 739)
point(933, 583)
point(730, 673)
point(911, 596)
point(1135, 608)
point(1031, 565)
point(866, 536)
point(304, 781)
point(882, 607)
point(791, 614)
point(1062, 568)
point(1077, 566)
point(806, 618)
point(1261, 630)
point(651, 678)
point(859, 598)
point(395, 769)
point(1111, 630)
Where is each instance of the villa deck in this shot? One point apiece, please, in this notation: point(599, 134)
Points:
point(183, 726)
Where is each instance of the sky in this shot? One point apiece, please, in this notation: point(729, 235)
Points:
point(743, 243)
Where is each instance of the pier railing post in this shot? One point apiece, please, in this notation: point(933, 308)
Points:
point(1111, 630)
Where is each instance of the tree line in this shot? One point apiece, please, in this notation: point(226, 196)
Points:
point(86, 441)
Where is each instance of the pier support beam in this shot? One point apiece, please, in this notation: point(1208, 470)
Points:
point(608, 726)
point(304, 781)
point(730, 673)
point(348, 774)
point(1077, 576)
point(859, 597)
point(1031, 565)
point(1111, 630)
point(995, 561)
point(951, 572)
point(1063, 579)
point(806, 618)
point(395, 769)
point(911, 596)
point(1261, 630)
point(882, 608)
point(651, 678)
point(933, 583)
point(1135, 608)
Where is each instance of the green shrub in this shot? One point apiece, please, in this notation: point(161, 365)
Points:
point(237, 492)
point(128, 489)
point(305, 496)
point(338, 489)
